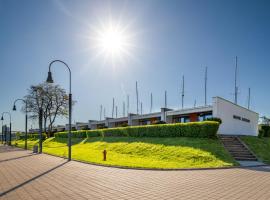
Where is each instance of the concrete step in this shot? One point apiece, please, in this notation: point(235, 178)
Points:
point(244, 158)
point(237, 149)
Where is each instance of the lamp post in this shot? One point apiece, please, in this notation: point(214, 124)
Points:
point(2, 133)
point(2, 118)
point(26, 119)
point(50, 80)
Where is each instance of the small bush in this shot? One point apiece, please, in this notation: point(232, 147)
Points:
point(33, 136)
point(266, 130)
point(214, 119)
point(261, 133)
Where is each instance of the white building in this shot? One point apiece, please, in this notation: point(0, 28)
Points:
point(236, 120)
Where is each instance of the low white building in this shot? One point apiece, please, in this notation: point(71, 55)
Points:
point(236, 120)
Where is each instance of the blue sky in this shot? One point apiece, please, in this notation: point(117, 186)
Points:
point(170, 39)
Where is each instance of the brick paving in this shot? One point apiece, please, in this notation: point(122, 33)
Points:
point(24, 175)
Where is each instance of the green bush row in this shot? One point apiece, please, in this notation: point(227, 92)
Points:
point(206, 129)
point(34, 136)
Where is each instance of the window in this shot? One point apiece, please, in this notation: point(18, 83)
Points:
point(237, 117)
point(245, 120)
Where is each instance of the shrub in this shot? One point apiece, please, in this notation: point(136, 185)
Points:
point(214, 119)
point(261, 133)
point(266, 130)
point(206, 129)
point(33, 136)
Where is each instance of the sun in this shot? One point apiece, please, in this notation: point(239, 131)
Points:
point(112, 41)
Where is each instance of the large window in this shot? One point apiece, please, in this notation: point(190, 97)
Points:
point(182, 119)
point(205, 116)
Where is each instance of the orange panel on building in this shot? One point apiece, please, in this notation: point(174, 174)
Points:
point(193, 117)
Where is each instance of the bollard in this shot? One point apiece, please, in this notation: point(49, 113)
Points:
point(104, 155)
point(35, 149)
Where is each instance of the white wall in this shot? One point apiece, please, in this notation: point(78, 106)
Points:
point(226, 110)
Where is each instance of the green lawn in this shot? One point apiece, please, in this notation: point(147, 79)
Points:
point(260, 146)
point(144, 152)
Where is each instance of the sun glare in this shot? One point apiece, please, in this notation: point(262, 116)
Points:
point(112, 41)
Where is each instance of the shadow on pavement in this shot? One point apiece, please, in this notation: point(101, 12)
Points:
point(30, 180)
point(16, 158)
point(5, 148)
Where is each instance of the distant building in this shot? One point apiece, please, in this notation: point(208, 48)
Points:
point(236, 120)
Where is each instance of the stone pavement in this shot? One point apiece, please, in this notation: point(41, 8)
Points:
point(28, 176)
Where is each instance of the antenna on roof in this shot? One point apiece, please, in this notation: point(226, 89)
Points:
point(195, 102)
point(248, 98)
point(113, 108)
point(104, 113)
point(235, 81)
point(183, 91)
point(100, 113)
point(141, 109)
point(124, 109)
point(137, 98)
point(205, 87)
point(165, 98)
point(127, 104)
point(151, 102)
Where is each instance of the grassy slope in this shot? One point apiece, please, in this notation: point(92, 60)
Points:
point(145, 152)
point(260, 146)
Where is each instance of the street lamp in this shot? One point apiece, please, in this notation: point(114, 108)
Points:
point(50, 80)
point(26, 119)
point(2, 118)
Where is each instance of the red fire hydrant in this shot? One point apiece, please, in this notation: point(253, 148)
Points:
point(104, 155)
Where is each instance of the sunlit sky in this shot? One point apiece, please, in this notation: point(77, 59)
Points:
point(155, 42)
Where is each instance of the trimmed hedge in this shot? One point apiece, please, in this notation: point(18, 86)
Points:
point(34, 136)
point(206, 129)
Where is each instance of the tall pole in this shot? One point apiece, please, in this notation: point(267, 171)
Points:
point(183, 91)
point(205, 87)
point(49, 80)
point(116, 111)
point(151, 102)
point(26, 119)
point(40, 128)
point(26, 128)
point(2, 133)
point(248, 98)
point(100, 112)
point(104, 113)
point(165, 99)
point(124, 109)
point(235, 81)
point(137, 98)
point(127, 104)
point(113, 109)
point(141, 109)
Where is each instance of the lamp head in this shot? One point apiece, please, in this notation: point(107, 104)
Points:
point(49, 78)
point(14, 107)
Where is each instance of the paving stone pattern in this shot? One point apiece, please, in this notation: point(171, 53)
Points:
point(27, 176)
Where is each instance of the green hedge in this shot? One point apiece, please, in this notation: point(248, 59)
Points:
point(33, 136)
point(206, 129)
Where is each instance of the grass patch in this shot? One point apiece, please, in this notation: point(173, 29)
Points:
point(143, 152)
point(21, 143)
point(260, 146)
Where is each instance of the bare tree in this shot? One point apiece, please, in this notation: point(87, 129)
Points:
point(52, 99)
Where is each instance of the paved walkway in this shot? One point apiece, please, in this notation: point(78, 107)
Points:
point(27, 176)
